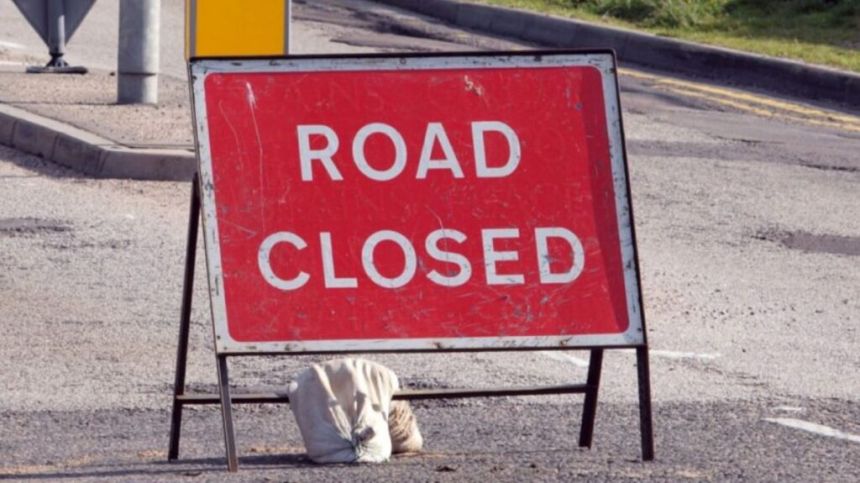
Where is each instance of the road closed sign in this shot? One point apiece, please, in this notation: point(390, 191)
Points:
point(416, 203)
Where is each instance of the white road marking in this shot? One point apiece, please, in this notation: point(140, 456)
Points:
point(789, 409)
point(12, 62)
point(683, 355)
point(579, 362)
point(11, 45)
point(815, 428)
point(561, 356)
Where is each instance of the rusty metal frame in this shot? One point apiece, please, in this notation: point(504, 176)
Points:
point(589, 389)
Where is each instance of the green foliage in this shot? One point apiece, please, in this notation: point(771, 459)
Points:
point(817, 31)
point(697, 13)
point(657, 13)
point(817, 13)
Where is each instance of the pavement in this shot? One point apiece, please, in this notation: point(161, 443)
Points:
point(74, 121)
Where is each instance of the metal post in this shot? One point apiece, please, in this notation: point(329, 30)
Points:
point(137, 56)
point(288, 27)
point(56, 33)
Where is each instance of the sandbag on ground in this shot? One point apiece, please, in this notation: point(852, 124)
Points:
point(342, 408)
point(403, 429)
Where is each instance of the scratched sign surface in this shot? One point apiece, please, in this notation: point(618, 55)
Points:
point(416, 203)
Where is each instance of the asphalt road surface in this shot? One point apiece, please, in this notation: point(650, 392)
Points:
point(749, 241)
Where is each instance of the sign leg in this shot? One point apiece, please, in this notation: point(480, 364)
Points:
point(645, 422)
point(184, 321)
point(227, 415)
point(589, 409)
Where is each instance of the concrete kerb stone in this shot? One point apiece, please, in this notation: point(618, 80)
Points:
point(31, 138)
point(89, 154)
point(468, 16)
point(551, 31)
point(446, 10)
point(7, 129)
point(674, 56)
point(76, 154)
point(149, 164)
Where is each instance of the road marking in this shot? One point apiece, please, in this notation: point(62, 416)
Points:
point(684, 355)
point(746, 96)
point(752, 103)
point(679, 355)
point(562, 357)
point(789, 409)
point(815, 428)
point(11, 45)
point(676, 355)
point(763, 112)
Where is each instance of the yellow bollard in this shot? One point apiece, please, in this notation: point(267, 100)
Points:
point(231, 28)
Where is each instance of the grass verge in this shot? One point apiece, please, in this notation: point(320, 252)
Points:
point(825, 32)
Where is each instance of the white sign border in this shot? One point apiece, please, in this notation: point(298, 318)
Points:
point(604, 62)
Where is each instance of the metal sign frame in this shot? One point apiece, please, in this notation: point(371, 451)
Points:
point(603, 62)
point(203, 195)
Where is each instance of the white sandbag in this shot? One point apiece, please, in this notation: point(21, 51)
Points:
point(342, 408)
point(403, 428)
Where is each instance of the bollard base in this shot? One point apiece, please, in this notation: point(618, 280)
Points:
point(137, 89)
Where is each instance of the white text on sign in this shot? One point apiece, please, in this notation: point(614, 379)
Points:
point(435, 137)
point(431, 247)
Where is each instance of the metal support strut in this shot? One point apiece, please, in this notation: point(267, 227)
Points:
point(184, 319)
point(227, 415)
point(589, 407)
point(646, 428)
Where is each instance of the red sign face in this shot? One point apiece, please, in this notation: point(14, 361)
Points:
point(432, 203)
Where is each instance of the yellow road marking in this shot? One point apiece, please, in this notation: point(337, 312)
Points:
point(787, 106)
point(752, 103)
point(763, 112)
point(727, 102)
